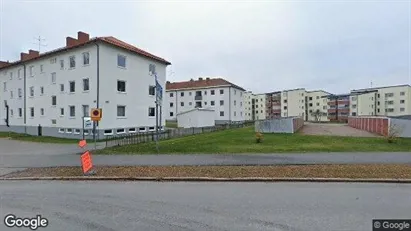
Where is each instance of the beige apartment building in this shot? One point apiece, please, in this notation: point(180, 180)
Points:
point(293, 103)
point(260, 109)
point(316, 101)
point(249, 112)
point(382, 101)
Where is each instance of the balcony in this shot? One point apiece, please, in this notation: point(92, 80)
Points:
point(331, 103)
point(198, 97)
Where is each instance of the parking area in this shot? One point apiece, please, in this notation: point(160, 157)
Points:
point(334, 130)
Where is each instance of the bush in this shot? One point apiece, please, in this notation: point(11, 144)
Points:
point(258, 137)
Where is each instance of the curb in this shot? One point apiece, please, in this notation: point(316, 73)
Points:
point(208, 179)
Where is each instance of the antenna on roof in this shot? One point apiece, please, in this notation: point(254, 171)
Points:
point(39, 41)
point(371, 84)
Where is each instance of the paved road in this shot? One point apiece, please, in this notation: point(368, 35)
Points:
point(23, 161)
point(115, 206)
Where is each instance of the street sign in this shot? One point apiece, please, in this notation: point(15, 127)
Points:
point(88, 123)
point(96, 114)
point(86, 161)
point(159, 93)
point(82, 143)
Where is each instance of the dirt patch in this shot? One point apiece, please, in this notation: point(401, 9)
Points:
point(334, 130)
point(396, 171)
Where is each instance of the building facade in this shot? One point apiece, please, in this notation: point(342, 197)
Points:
point(273, 104)
point(249, 105)
point(293, 103)
point(260, 109)
point(50, 93)
point(338, 107)
point(225, 98)
point(316, 106)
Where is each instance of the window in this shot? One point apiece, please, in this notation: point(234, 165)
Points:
point(86, 110)
point(221, 102)
point(221, 113)
point(53, 100)
point(61, 130)
point(19, 74)
point(11, 112)
point(32, 112)
point(31, 71)
point(53, 121)
point(20, 93)
point(235, 103)
point(324, 107)
point(72, 110)
point(31, 91)
point(285, 101)
point(121, 86)
point(189, 93)
point(235, 113)
point(241, 104)
point(132, 130)
point(182, 94)
point(121, 61)
point(205, 92)
point(62, 111)
point(354, 114)
point(221, 91)
point(310, 98)
point(76, 131)
point(402, 109)
point(171, 114)
point(20, 112)
point(402, 101)
point(121, 131)
point(151, 90)
point(318, 97)
point(72, 61)
point(121, 111)
point(389, 110)
point(171, 95)
point(69, 130)
point(142, 129)
point(171, 104)
point(86, 84)
point(402, 93)
point(152, 68)
point(11, 94)
point(318, 104)
point(151, 111)
point(53, 60)
point(4, 86)
point(41, 68)
point(235, 93)
point(190, 103)
point(108, 132)
point(212, 92)
point(285, 107)
point(42, 111)
point(86, 58)
point(212, 103)
point(389, 94)
point(61, 64)
point(72, 85)
point(378, 110)
point(151, 128)
point(11, 75)
point(378, 103)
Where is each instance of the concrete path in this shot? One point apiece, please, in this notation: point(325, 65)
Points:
point(334, 130)
point(117, 206)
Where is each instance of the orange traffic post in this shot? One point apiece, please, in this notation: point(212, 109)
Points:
point(86, 162)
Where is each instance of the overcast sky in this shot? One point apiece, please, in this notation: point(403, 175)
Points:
point(260, 45)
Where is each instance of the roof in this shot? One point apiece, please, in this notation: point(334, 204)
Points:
point(333, 96)
point(201, 83)
point(376, 88)
point(108, 40)
point(196, 109)
point(319, 91)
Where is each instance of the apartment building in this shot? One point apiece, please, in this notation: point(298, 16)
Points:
point(316, 106)
point(50, 93)
point(338, 107)
point(260, 109)
point(273, 104)
point(249, 105)
point(381, 101)
point(293, 103)
point(225, 98)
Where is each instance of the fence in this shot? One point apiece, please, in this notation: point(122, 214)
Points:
point(118, 140)
point(279, 125)
point(378, 125)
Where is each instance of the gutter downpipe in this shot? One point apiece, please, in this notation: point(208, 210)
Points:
point(25, 99)
point(229, 104)
point(95, 125)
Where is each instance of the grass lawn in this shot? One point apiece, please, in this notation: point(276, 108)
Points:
point(242, 140)
point(40, 139)
point(396, 171)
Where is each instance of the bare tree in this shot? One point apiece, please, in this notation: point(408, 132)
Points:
point(317, 115)
point(394, 131)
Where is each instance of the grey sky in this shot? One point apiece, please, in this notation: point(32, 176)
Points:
point(262, 45)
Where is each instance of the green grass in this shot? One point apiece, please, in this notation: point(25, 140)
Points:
point(39, 139)
point(242, 140)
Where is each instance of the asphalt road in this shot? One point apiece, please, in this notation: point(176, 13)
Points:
point(114, 206)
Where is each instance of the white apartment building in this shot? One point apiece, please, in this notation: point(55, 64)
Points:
point(260, 109)
point(315, 101)
point(54, 90)
point(225, 98)
point(381, 101)
point(248, 101)
point(293, 103)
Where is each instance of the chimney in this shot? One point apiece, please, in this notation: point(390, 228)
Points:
point(200, 79)
point(207, 78)
point(3, 64)
point(82, 37)
point(33, 53)
point(168, 82)
point(71, 41)
point(24, 56)
point(191, 80)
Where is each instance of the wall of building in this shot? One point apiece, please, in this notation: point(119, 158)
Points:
point(196, 119)
point(396, 108)
point(293, 103)
point(247, 102)
point(260, 107)
point(13, 84)
point(314, 102)
point(363, 104)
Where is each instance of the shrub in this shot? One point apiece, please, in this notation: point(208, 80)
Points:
point(258, 137)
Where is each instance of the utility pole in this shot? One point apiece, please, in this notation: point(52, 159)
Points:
point(39, 41)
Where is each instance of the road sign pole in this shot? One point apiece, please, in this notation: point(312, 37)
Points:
point(94, 134)
point(83, 128)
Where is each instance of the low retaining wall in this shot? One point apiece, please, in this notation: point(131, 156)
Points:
point(382, 125)
point(279, 125)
